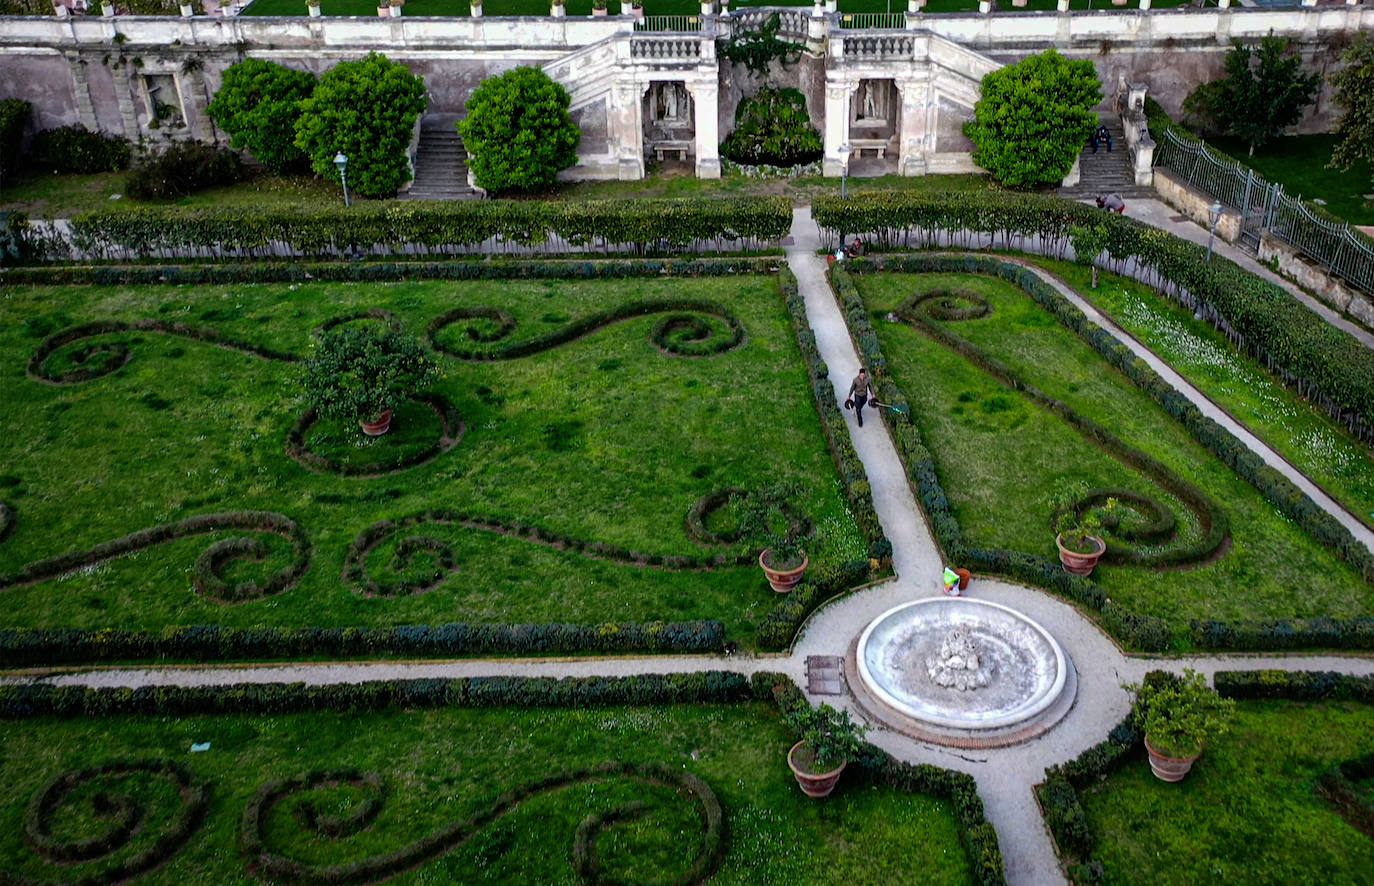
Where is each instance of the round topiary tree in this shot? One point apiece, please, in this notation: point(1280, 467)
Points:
point(518, 131)
point(773, 127)
point(365, 110)
point(362, 373)
point(1034, 118)
point(258, 104)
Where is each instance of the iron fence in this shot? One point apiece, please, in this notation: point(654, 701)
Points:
point(669, 23)
point(1263, 206)
point(864, 21)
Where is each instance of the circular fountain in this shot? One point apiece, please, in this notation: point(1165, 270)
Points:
point(961, 672)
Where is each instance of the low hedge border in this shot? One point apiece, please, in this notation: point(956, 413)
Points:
point(264, 862)
point(879, 767)
point(30, 647)
point(1146, 632)
point(1338, 786)
point(444, 228)
point(1058, 793)
point(128, 818)
point(1329, 367)
point(363, 272)
point(451, 431)
point(780, 624)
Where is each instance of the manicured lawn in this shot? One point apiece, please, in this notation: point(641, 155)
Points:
point(50, 195)
point(1317, 445)
point(439, 767)
point(1000, 457)
point(1249, 812)
point(1299, 163)
point(605, 439)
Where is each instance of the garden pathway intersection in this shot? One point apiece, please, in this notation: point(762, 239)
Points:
point(1005, 776)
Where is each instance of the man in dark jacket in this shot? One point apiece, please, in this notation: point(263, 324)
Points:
point(859, 391)
point(1102, 135)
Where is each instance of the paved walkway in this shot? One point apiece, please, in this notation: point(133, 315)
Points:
point(1005, 776)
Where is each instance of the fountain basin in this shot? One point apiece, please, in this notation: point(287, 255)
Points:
point(963, 671)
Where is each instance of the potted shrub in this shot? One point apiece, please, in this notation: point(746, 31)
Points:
point(829, 740)
point(1076, 529)
point(363, 373)
point(761, 519)
point(598, 7)
point(1179, 716)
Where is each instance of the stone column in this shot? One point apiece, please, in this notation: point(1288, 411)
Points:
point(81, 89)
point(836, 125)
point(915, 125)
point(626, 131)
point(191, 85)
point(127, 86)
point(706, 122)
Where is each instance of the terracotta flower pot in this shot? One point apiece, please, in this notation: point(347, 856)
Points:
point(814, 785)
point(1080, 564)
point(783, 580)
point(379, 426)
point(1168, 768)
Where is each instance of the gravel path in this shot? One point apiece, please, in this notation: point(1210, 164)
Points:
point(1005, 776)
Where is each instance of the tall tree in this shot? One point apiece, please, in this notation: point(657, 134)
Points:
point(365, 110)
point(1033, 118)
point(1263, 92)
point(518, 131)
point(1355, 94)
point(257, 104)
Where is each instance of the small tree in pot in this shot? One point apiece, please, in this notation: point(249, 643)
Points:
point(829, 740)
point(363, 373)
point(762, 519)
point(1077, 526)
point(1179, 716)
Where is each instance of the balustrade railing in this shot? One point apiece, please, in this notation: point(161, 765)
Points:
point(665, 46)
point(887, 47)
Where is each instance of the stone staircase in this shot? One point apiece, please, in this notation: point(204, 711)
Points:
point(441, 169)
point(1106, 173)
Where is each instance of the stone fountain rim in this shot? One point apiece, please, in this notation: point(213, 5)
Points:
point(1039, 705)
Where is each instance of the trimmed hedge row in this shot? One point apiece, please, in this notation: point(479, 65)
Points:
point(1355, 633)
point(1295, 685)
point(363, 272)
point(1326, 365)
point(23, 647)
point(1145, 632)
point(432, 227)
point(976, 833)
point(780, 624)
point(451, 431)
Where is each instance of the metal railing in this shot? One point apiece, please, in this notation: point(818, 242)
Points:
point(669, 23)
point(891, 21)
point(1265, 207)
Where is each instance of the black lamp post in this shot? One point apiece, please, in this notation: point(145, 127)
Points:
point(1213, 216)
point(341, 162)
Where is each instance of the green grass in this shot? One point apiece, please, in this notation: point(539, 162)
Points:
point(1318, 446)
point(1299, 163)
point(1000, 458)
point(441, 766)
point(1249, 812)
point(57, 195)
point(604, 439)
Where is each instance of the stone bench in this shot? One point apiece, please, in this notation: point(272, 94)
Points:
point(669, 147)
point(869, 144)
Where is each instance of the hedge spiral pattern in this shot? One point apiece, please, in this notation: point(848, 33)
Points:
point(125, 819)
point(701, 510)
point(267, 863)
point(444, 561)
point(1155, 525)
point(207, 576)
point(451, 431)
point(682, 333)
point(390, 320)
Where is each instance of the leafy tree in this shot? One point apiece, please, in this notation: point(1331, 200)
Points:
point(365, 109)
point(774, 128)
point(1033, 118)
point(1088, 243)
point(1355, 94)
point(359, 372)
point(258, 104)
point(1263, 92)
point(518, 131)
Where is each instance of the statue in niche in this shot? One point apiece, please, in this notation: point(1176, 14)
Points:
point(872, 106)
point(668, 106)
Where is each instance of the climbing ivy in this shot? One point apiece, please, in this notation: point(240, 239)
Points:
point(756, 49)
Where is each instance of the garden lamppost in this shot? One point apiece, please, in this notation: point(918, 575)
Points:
point(341, 163)
point(844, 151)
point(1213, 216)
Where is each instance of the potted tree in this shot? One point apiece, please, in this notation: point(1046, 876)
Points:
point(761, 519)
point(829, 740)
point(363, 373)
point(1076, 529)
point(598, 7)
point(1179, 716)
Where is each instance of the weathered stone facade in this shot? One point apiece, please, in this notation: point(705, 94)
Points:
point(901, 93)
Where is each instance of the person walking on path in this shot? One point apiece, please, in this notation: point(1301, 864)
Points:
point(859, 391)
